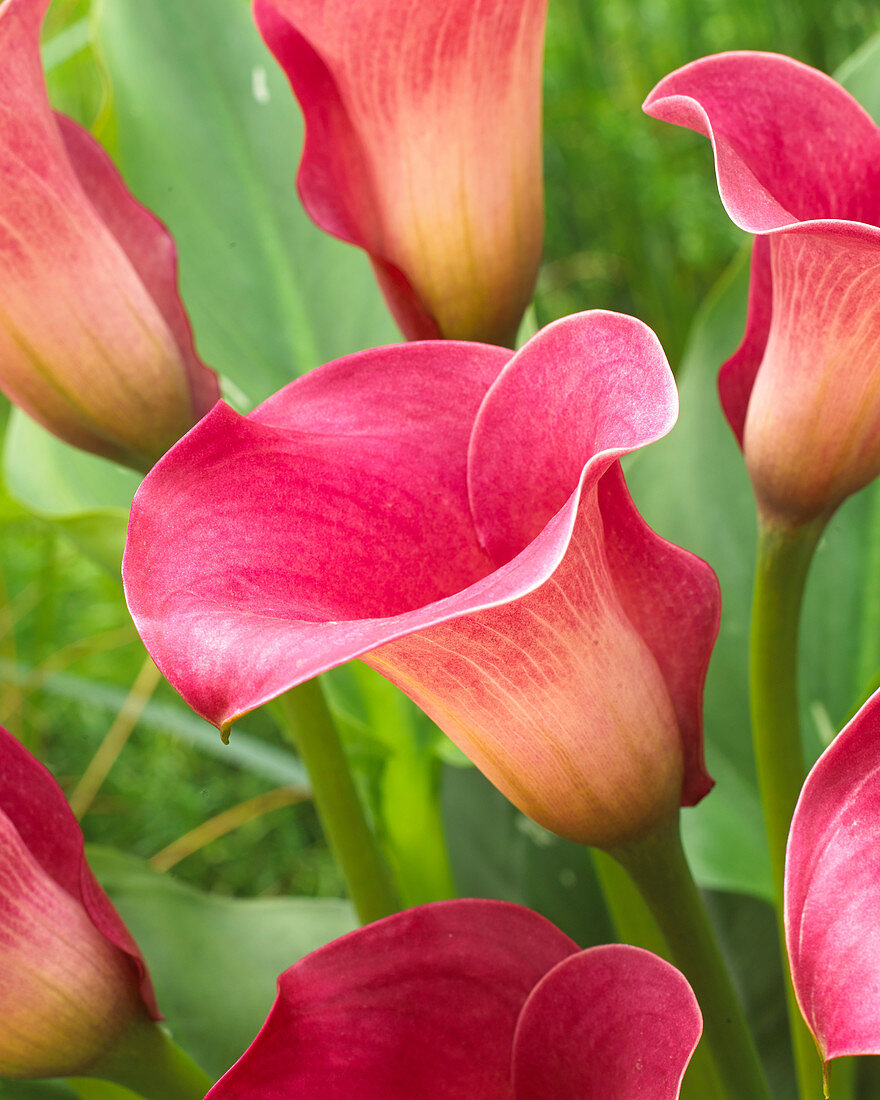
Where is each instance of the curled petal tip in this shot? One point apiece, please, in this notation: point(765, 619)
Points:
point(73, 978)
point(798, 163)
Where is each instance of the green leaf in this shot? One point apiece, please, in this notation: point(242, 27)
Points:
point(214, 960)
point(496, 852)
point(84, 497)
point(65, 45)
point(207, 133)
point(84, 1087)
point(90, 1088)
point(746, 929)
point(860, 75)
point(73, 78)
point(54, 479)
point(36, 1090)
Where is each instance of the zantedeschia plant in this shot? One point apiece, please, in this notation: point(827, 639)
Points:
point(94, 340)
point(470, 999)
point(798, 164)
point(455, 515)
point(72, 980)
point(423, 146)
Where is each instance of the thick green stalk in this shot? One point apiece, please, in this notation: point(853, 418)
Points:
point(660, 870)
point(303, 716)
point(413, 835)
point(149, 1063)
point(634, 924)
point(784, 556)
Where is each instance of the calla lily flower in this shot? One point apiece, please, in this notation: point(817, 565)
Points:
point(94, 340)
point(470, 998)
point(72, 979)
point(798, 164)
point(455, 515)
point(832, 891)
point(423, 147)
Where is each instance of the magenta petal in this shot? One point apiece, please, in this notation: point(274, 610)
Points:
point(612, 1021)
point(606, 389)
point(264, 550)
point(790, 143)
point(34, 804)
point(334, 522)
point(832, 891)
point(666, 593)
point(423, 126)
point(422, 1004)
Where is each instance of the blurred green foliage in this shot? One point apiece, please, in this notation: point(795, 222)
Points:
point(70, 618)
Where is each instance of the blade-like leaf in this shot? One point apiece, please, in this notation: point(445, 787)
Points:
point(86, 497)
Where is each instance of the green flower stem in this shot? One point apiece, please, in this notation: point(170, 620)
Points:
point(303, 716)
point(784, 556)
point(413, 834)
point(149, 1063)
point(658, 867)
point(634, 924)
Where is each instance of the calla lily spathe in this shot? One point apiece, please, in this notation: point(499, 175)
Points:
point(94, 340)
point(455, 515)
point(470, 999)
point(798, 164)
point(72, 979)
point(423, 147)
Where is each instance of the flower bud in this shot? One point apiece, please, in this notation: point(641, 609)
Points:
point(94, 340)
point(423, 147)
point(798, 164)
point(72, 980)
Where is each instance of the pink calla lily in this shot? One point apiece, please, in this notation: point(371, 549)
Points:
point(94, 340)
point(470, 999)
point(71, 977)
point(455, 515)
point(798, 164)
point(423, 146)
point(832, 891)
